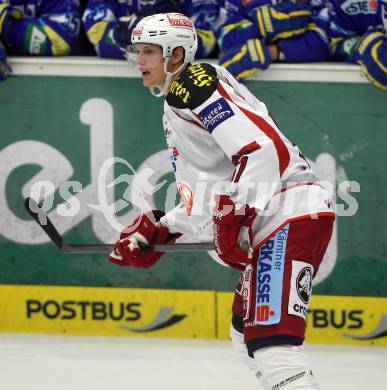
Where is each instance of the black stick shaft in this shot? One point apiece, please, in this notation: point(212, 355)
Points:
point(107, 248)
point(40, 216)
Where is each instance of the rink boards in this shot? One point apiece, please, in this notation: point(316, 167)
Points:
point(63, 119)
point(94, 311)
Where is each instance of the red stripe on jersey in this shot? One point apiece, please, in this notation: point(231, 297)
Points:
point(241, 159)
point(247, 149)
point(199, 119)
point(187, 120)
point(282, 150)
point(241, 168)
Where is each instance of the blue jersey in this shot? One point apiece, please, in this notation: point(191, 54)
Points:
point(48, 27)
point(312, 45)
point(355, 17)
point(101, 18)
point(204, 14)
point(239, 9)
point(350, 20)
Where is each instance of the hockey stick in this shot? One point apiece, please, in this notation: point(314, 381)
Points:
point(40, 216)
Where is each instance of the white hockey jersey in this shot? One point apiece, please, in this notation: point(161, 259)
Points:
point(222, 140)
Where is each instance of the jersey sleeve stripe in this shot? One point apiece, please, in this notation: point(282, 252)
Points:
point(265, 127)
point(241, 167)
point(247, 149)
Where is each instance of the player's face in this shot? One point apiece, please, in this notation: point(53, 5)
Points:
point(150, 60)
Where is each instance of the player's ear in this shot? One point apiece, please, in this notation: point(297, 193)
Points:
point(177, 55)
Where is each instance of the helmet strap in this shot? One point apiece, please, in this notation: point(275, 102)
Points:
point(168, 79)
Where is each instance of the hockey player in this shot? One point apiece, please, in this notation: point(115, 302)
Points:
point(205, 15)
point(102, 18)
point(259, 32)
point(358, 31)
point(243, 184)
point(48, 28)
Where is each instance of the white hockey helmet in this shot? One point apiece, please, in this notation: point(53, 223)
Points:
point(169, 30)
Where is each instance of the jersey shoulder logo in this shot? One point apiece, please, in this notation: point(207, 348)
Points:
point(215, 113)
point(193, 87)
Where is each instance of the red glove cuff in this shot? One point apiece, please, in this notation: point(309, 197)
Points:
point(232, 228)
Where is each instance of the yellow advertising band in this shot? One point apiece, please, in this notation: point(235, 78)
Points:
point(174, 314)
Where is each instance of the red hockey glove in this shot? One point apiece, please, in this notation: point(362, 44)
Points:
point(233, 232)
point(143, 231)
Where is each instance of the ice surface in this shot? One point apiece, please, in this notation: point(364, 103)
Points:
point(37, 362)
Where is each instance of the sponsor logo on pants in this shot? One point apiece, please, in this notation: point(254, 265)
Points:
point(270, 271)
point(300, 288)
